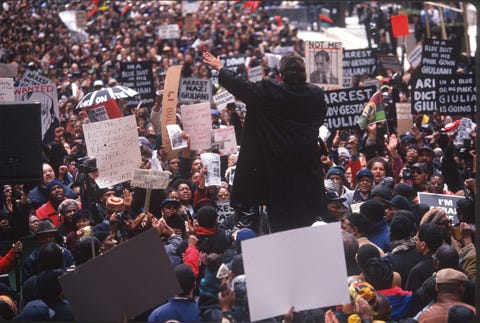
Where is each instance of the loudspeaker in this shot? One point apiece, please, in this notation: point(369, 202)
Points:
point(20, 143)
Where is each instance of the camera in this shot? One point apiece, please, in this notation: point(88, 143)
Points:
point(87, 164)
point(407, 173)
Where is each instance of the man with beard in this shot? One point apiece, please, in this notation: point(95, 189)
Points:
point(56, 195)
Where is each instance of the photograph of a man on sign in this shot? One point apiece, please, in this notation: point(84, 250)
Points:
point(324, 63)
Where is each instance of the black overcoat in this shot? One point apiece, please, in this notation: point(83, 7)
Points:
point(279, 161)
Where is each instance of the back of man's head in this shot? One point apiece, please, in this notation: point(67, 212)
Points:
point(186, 279)
point(447, 257)
point(292, 70)
point(431, 234)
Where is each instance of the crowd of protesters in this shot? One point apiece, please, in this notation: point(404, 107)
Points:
point(404, 259)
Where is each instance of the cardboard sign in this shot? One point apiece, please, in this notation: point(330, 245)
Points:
point(224, 140)
point(298, 280)
point(139, 77)
point(194, 90)
point(114, 143)
point(103, 111)
point(359, 62)
point(169, 31)
point(169, 105)
point(197, 122)
point(323, 62)
point(255, 74)
point(442, 201)
point(150, 179)
point(404, 117)
point(345, 106)
point(400, 25)
point(439, 57)
point(6, 90)
point(103, 289)
point(222, 99)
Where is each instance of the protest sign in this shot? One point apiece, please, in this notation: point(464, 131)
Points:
point(96, 294)
point(389, 63)
point(197, 122)
point(323, 62)
point(399, 25)
point(234, 63)
point(255, 74)
point(33, 78)
point(442, 201)
point(189, 6)
point(457, 95)
point(103, 111)
point(8, 70)
point(194, 90)
point(114, 143)
point(439, 57)
point(222, 99)
point(212, 162)
point(224, 140)
point(169, 105)
point(46, 94)
point(282, 50)
point(301, 277)
point(168, 31)
point(150, 179)
point(176, 137)
point(373, 112)
point(190, 24)
point(223, 210)
point(414, 57)
point(273, 60)
point(6, 90)
point(464, 129)
point(139, 77)
point(345, 106)
point(404, 118)
point(359, 62)
point(453, 95)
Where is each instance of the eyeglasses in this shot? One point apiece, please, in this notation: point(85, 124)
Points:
point(171, 207)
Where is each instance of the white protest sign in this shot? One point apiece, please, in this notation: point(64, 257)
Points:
point(6, 90)
point(255, 74)
point(176, 138)
point(194, 89)
point(150, 179)
point(415, 56)
point(212, 162)
point(275, 283)
point(464, 129)
point(114, 143)
point(273, 60)
point(9, 70)
point(169, 31)
point(323, 63)
point(197, 122)
point(223, 210)
point(33, 78)
point(222, 99)
point(224, 140)
point(442, 201)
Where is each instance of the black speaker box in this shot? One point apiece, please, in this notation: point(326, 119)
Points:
point(20, 143)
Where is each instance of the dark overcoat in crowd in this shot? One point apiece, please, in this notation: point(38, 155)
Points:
point(279, 161)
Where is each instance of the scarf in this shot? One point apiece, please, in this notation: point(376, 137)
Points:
point(206, 231)
point(403, 245)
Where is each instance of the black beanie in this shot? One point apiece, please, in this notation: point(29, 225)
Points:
point(403, 225)
point(379, 273)
point(207, 216)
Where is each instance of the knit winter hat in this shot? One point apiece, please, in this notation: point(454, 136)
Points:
point(403, 225)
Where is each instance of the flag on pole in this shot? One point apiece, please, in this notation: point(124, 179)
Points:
point(374, 111)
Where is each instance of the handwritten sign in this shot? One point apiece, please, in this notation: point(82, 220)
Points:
point(6, 90)
point(194, 89)
point(138, 76)
point(224, 140)
point(222, 99)
point(114, 143)
point(404, 117)
point(442, 201)
point(169, 31)
point(150, 179)
point(9, 70)
point(255, 74)
point(197, 122)
point(359, 62)
point(169, 105)
point(346, 105)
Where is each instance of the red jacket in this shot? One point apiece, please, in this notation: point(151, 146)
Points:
point(7, 262)
point(48, 211)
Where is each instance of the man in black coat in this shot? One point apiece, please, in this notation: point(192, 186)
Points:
point(279, 161)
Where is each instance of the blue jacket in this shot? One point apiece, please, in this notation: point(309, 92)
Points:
point(379, 234)
point(179, 309)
